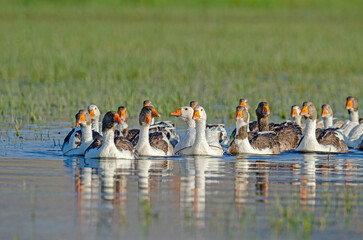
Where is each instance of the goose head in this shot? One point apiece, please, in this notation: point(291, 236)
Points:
point(84, 118)
point(241, 116)
point(147, 103)
point(352, 104)
point(94, 112)
point(146, 115)
point(244, 103)
point(295, 111)
point(110, 120)
point(326, 111)
point(309, 111)
point(185, 113)
point(199, 114)
point(124, 114)
point(263, 110)
point(77, 116)
point(193, 104)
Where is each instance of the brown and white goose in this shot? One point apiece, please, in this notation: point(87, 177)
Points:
point(94, 111)
point(263, 143)
point(352, 130)
point(328, 141)
point(111, 147)
point(289, 134)
point(327, 116)
point(352, 107)
point(152, 143)
point(122, 127)
point(295, 114)
point(86, 134)
point(73, 138)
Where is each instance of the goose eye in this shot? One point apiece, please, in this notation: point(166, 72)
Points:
point(201, 110)
point(186, 109)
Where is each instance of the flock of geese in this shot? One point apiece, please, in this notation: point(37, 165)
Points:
point(116, 140)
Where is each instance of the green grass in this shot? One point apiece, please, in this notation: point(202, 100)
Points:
point(59, 57)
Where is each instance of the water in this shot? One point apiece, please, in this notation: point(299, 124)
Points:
point(44, 195)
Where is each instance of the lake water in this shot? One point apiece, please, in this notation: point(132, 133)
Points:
point(44, 195)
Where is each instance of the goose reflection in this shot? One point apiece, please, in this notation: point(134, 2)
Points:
point(262, 180)
point(308, 180)
point(193, 186)
point(102, 182)
point(241, 180)
point(151, 169)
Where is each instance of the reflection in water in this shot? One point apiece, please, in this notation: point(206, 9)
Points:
point(308, 180)
point(193, 184)
point(241, 180)
point(262, 173)
point(112, 193)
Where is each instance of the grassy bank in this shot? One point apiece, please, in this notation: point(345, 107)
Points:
point(56, 58)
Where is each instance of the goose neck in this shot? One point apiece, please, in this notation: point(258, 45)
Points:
point(262, 124)
point(87, 133)
point(328, 121)
point(354, 116)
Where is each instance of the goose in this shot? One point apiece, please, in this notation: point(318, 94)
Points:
point(288, 133)
point(352, 107)
point(244, 103)
point(186, 114)
point(295, 114)
point(86, 134)
point(214, 130)
point(95, 117)
point(122, 127)
point(352, 130)
point(111, 147)
point(73, 138)
point(264, 143)
point(200, 146)
point(328, 141)
point(154, 143)
point(327, 116)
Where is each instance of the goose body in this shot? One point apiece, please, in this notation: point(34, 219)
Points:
point(155, 143)
point(214, 133)
point(111, 147)
point(85, 136)
point(328, 141)
point(200, 146)
point(262, 143)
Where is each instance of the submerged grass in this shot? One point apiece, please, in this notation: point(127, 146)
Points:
point(57, 58)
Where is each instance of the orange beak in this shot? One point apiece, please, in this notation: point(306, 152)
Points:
point(146, 104)
point(304, 111)
point(122, 113)
point(193, 106)
point(91, 112)
point(176, 113)
point(239, 114)
point(294, 112)
point(324, 112)
point(77, 123)
point(349, 105)
point(154, 113)
point(81, 118)
point(266, 110)
point(196, 114)
point(117, 118)
point(242, 103)
point(148, 119)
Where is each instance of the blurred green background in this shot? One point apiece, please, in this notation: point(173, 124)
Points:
point(59, 56)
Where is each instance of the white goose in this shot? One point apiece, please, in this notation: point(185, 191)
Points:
point(328, 141)
point(201, 146)
point(111, 147)
point(154, 143)
point(95, 118)
point(266, 143)
point(352, 129)
point(186, 114)
point(84, 120)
